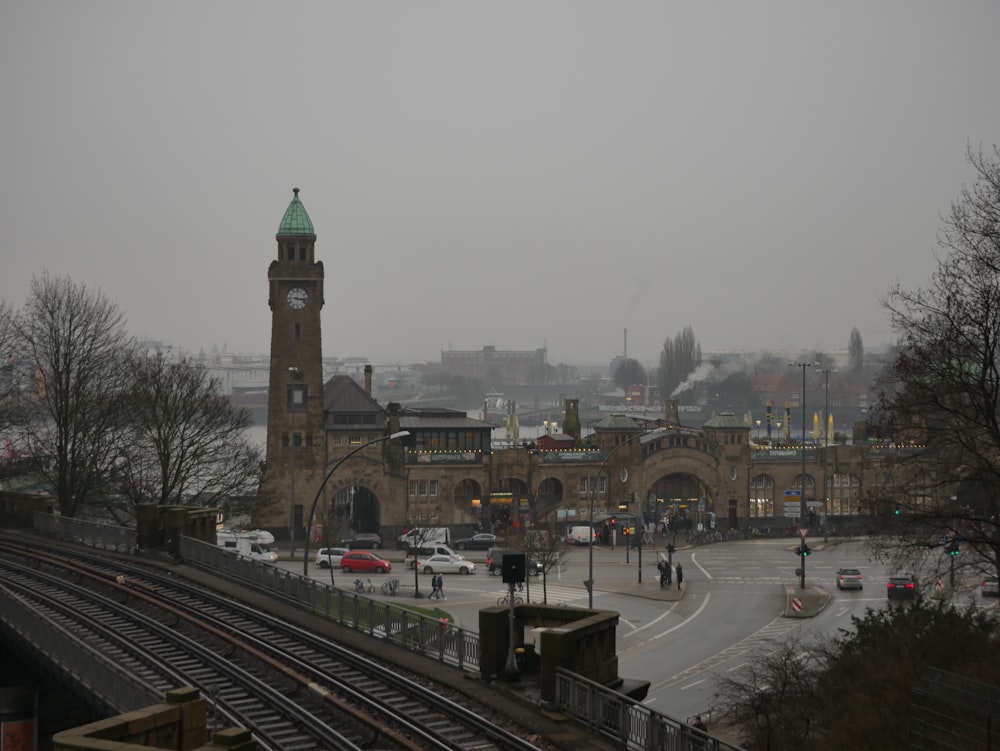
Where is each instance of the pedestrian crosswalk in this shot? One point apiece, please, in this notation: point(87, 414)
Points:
point(552, 594)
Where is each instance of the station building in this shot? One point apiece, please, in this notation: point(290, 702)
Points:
point(332, 469)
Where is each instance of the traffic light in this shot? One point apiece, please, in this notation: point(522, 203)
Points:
point(895, 511)
point(614, 521)
point(953, 548)
point(805, 550)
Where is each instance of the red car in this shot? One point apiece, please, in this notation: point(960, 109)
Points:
point(364, 562)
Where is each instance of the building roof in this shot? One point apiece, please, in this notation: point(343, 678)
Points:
point(726, 420)
point(296, 222)
point(343, 394)
point(617, 422)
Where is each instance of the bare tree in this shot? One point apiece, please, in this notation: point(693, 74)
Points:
point(184, 442)
point(628, 373)
point(940, 396)
point(678, 360)
point(771, 699)
point(9, 372)
point(77, 340)
point(855, 353)
point(544, 549)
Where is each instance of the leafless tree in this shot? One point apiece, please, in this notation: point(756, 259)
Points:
point(771, 698)
point(855, 352)
point(77, 340)
point(678, 360)
point(940, 395)
point(9, 374)
point(545, 549)
point(185, 442)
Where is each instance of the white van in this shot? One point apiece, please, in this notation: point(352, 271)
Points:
point(424, 536)
point(580, 535)
point(426, 551)
point(246, 545)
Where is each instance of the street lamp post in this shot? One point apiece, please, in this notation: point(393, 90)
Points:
point(319, 491)
point(643, 438)
point(802, 498)
point(293, 405)
point(826, 448)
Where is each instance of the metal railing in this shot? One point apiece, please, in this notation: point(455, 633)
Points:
point(93, 534)
point(400, 625)
point(628, 721)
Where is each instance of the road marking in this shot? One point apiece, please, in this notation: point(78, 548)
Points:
point(700, 567)
point(687, 620)
point(655, 620)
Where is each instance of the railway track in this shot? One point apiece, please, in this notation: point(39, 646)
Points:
point(293, 688)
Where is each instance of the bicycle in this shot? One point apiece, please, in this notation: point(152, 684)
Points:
point(505, 600)
point(390, 586)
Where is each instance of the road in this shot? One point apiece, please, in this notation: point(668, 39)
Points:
point(732, 604)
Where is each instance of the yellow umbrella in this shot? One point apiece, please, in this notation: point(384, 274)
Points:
point(817, 426)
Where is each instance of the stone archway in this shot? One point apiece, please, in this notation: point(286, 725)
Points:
point(548, 498)
point(468, 498)
point(510, 498)
point(352, 508)
point(683, 497)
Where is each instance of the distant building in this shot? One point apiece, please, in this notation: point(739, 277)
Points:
point(495, 366)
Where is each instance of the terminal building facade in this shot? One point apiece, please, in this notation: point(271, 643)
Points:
point(446, 472)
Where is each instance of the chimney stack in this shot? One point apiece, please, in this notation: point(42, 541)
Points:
point(368, 379)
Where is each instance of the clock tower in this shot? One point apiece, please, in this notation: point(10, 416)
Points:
point(295, 436)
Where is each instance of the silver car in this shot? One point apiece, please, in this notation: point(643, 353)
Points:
point(849, 578)
point(327, 557)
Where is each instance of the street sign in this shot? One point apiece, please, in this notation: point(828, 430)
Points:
point(793, 492)
point(796, 604)
point(803, 531)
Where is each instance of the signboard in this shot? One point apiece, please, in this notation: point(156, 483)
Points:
point(793, 492)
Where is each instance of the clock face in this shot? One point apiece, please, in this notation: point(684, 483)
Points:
point(623, 474)
point(297, 298)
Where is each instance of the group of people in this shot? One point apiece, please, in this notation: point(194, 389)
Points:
point(665, 572)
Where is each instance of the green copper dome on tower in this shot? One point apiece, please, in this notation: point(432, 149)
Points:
point(296, 221)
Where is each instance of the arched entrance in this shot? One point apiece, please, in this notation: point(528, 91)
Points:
point(509, 501)
point(683, 498)
point(468, 498)
point(353, 508)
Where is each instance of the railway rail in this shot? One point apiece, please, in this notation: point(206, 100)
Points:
point(293, 688)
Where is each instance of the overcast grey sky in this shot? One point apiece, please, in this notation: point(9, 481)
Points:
point(506, 173)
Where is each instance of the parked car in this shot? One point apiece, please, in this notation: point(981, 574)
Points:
point(482, 541)
point(364, 540)
point(445, 564)
point(327, 557)
point(494, 562)
point(363, 562)
point(849, 578)
point(990, 587)
point(426, 551)
point(902, 587)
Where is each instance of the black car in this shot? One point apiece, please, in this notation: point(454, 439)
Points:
point(482, 541)
point(364, 541)
point(901, 587)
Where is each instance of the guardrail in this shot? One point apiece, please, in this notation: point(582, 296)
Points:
point(430, 636)
point(628, 721)
point(93, 534)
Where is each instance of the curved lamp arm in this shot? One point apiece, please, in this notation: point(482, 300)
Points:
point(326, 479)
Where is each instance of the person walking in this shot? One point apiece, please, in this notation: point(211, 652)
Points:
point(440, 587)
point(680, 575)
point(435, 587)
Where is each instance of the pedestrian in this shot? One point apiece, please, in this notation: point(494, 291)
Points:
point(680, 575)
point(435, 587)
point(440, 587)
point(699, 723)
